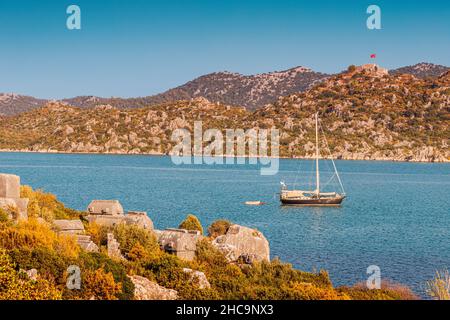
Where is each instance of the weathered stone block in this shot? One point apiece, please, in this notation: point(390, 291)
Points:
point(105, 207)
point(68, 226)
point(139, 219)
point(86, 243)
point(9, 186)
point(113, 247)
point(182, 243)
point(107, 221)
point(20, 205)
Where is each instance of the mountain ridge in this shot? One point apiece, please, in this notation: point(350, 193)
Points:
point(231, 88)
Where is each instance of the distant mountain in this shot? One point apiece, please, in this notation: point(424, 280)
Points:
point(422, 70)
point(367, 114)
point(228, 88)
point(11, 103)
point(234, 89)
point(251, 92)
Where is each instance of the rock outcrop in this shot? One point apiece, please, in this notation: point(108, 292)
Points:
point(243, 244)
point(198, 277)
point(145, 289)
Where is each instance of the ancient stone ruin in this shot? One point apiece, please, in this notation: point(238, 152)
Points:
point(10, 199)
point(113, 247)
point(70, 227)
point(75, 228)
point(85, 242)
point(180, 242)
point(105, 207)
point(372, 69)
point(110, 213)
point(243, 244)
point(139, 218)
point(239, 244)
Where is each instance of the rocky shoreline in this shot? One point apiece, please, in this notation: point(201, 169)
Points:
point(348, 157)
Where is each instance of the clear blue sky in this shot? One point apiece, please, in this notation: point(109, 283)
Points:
point(142, 47)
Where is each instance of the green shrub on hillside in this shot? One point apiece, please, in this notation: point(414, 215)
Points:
point(95, 261)
point(191, 223)
point(218, 228)
point(129, 236)
point(49, 264)
point(4, 217)
point(15, 285)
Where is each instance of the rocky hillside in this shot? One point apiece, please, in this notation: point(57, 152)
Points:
point(422, 70)
point(365, 112)
point(11, 103)
point(252, 91)
point(59, 127)
point(370, 114)
point(234, 89)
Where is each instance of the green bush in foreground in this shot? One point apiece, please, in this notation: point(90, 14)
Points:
point(3, 216)
point(15, 285)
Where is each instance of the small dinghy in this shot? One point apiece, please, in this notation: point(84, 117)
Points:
point(254, 203)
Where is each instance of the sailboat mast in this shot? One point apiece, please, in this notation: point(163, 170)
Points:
point(317, 155)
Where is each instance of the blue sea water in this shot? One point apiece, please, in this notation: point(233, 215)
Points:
point(396, 216)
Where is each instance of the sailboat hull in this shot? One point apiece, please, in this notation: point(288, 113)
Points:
point(314, 202)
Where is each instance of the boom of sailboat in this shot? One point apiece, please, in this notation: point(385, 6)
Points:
point(313, 197)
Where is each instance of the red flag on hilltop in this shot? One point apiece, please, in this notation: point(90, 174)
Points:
point(373, 56)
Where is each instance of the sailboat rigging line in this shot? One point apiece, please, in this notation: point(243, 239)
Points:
point(298, 171)
point(311, 176)
point(328, 182)
point(331, 156)
point(328, 167)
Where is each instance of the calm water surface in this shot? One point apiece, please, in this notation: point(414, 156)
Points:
point(397, 215)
